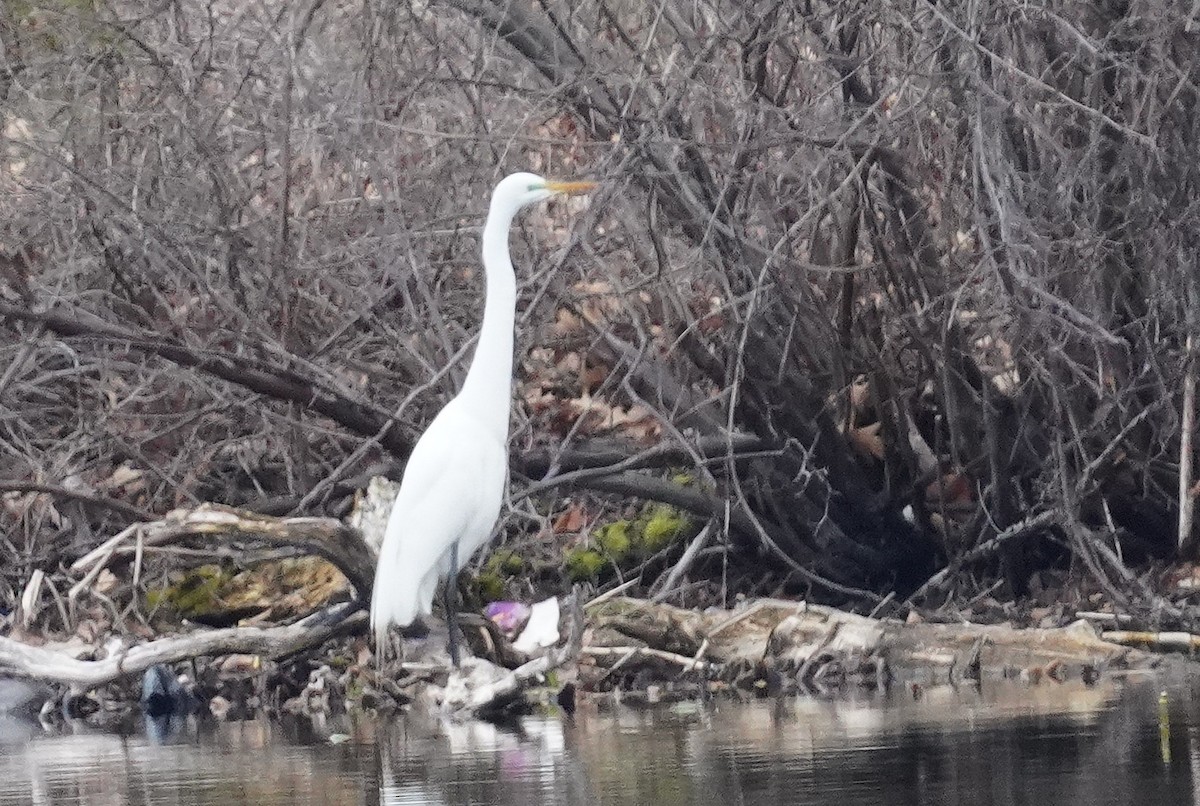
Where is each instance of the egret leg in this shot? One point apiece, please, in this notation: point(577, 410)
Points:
point(450, 602)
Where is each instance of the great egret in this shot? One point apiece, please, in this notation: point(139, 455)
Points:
point(453, 484)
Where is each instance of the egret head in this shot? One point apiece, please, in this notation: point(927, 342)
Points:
point(522, 189)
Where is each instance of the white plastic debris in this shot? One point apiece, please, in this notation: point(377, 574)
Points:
point(542, 628)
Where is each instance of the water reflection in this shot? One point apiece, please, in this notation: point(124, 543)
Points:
point(1008, 745)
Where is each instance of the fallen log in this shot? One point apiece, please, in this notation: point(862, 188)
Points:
point(793, 643)
point(783, 645)
point(324, 537)
point(61, 665)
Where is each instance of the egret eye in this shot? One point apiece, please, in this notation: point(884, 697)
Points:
point(535, 187)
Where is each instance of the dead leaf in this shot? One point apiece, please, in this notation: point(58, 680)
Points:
point(868, 441)
point(597, 301)
point(572, 520)
point(710, 324)
point(106, 581)
point(566, 323)
point(592, 375)
point(951, 488)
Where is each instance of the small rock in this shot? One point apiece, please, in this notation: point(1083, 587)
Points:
point(219, 706)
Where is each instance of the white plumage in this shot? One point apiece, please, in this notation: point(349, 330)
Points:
point(453, 484)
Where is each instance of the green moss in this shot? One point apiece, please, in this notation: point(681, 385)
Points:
point(153, 599)
point(683, 479)
point(663, 526)
point(614, 540)
point(195, 594)
point(625, 543)
point(491, 582)
point(505, 563)
point(584, 564)
point(489, 586)
point(339, 662)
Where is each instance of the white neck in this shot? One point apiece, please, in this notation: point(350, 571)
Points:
point(488, 388)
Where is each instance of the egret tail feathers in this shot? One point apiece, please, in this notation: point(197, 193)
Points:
point(399, 598)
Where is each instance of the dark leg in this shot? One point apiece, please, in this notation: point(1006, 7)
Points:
point(450, 602)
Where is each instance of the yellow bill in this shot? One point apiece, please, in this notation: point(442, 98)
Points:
point(570, 188)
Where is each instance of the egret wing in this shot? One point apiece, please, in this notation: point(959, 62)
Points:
point(442, 499)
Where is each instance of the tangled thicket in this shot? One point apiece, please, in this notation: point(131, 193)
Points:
point(847, 258)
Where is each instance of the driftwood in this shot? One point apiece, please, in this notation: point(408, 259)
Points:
point(61, 665)
point(323, 537)
point(800, 642)
point(348, 548)
point(218, 527)
point(464, 700)
point(774, 642)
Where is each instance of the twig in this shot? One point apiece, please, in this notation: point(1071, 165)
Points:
point(597, 455)
point(879, 608)
point(685, 562)
point(101, 553)
point(1040, 521)
point(356, 415)
point(1187, 500)
point(750, 611)
point(18, 362)
point(87, 499)
point(999, 61)
point(609, 594)
point(1112, 619)
point(1089, 472)
point(369, 444)
point(629, 652)
point(30, 597)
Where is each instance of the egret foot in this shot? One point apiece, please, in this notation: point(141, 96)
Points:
point(391, 652)
point(416, 631)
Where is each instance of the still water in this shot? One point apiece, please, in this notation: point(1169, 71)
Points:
point(1010, 744)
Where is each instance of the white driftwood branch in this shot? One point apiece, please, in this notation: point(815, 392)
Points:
point(685, 562)
point(49, 664)
point(516, 680)
point(625, 653)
